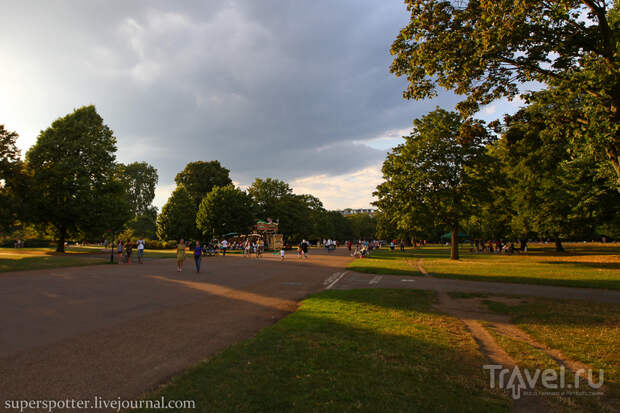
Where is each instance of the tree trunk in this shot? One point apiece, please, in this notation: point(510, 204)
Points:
point(454, 248)
point(61, 240)
point(613, 147)
point(558, 245)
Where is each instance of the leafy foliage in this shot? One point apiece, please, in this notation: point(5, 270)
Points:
point(438, 174)
point(200, 177)
point(74, 176)
point(178, 217)
point(224, 210)
point(554, 188)
point(141, 180)
point(10, 176)
point(486, 49)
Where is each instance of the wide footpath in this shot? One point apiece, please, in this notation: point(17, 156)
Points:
point(120, 330)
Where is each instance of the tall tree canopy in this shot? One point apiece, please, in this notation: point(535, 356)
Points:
point(552, 187)
point(486, 49)
point(268, 194)
point(200, 177)
point(141, 180)
point(224, 210)
point(439, 171)
point(275, 199)
point(10, 167)
point(178, 217)
point(74, 175)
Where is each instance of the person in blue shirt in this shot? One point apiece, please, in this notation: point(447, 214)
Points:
point(197, 255)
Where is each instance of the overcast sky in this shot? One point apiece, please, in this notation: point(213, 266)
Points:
point(295, 90)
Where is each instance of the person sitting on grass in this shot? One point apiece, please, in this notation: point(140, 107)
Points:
point(180, 255)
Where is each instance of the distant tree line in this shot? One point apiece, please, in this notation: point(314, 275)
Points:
point(206, 205)
point(70, 187)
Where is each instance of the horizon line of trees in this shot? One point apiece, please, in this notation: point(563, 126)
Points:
point(206, 205)
point(70, 186)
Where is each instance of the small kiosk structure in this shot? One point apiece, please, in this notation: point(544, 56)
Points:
point(269, 231)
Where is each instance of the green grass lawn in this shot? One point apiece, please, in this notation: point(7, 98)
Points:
point(386, 262)
point(593, 266)
point(22, 259)
point(366, 350)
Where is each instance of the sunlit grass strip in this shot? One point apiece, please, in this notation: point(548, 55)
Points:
point(368, 350)
point(592, 266)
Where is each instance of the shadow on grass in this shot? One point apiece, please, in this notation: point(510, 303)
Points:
point(554, 282)
point(343, 351)
point(587, 264)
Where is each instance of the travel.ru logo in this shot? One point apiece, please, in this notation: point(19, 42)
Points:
point(517, 380)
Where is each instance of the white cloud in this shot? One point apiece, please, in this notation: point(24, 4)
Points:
point(352, 190)
point(162, 193)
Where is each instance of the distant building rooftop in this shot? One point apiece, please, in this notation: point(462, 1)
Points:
point(353, 211)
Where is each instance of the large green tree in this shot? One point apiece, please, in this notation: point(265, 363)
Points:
point(10, 177)
point(440, 170)
point(200, 177)
point(178, 217)
point(363, 226)
point(269, 195)
point(550, 184)
point(141, 180)
point(224, 210)
point(74, 175)
point(486, 49)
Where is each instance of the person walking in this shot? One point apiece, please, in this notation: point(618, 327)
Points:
point(282, 253)
point(180, 255)
point(260, 247)
point(224, 247)
point(141, 251)
point(304, 247)
point(119, 251)
point(197, 255)
point(128, 250)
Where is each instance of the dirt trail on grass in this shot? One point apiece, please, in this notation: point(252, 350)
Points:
point(474, 312)
point(471, 316)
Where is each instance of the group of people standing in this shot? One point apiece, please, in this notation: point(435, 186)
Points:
point(125, 249)
point(253, 247)
point(497, 247)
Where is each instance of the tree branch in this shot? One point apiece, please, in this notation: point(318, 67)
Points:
point(603, 25)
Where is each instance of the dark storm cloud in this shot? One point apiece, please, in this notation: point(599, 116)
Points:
point(270, 88)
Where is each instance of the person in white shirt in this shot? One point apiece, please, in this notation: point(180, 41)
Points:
point(224, 247)
point(141, 251)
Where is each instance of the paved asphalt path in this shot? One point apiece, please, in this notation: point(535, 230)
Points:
point(120, 330)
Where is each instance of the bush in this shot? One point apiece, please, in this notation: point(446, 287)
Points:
point(159, 245)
